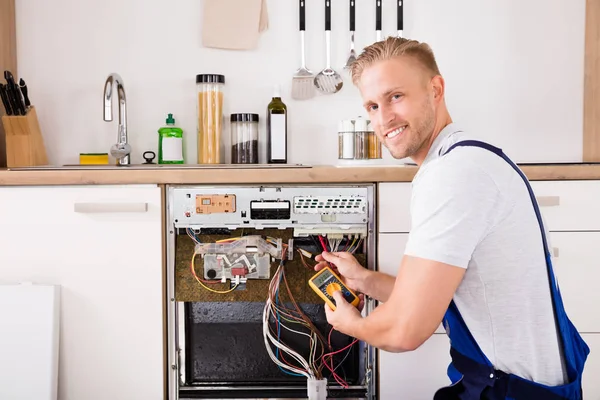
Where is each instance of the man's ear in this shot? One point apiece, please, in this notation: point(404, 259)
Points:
point(439, 87)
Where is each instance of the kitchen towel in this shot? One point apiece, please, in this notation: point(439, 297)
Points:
point(234, 24)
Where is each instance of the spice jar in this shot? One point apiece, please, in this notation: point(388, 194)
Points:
point(244, 138)
point(374, 145)
point(361, 140)
point(346, 140)
point(210, 89)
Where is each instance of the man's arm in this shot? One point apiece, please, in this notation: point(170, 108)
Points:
point(420, 297)
point(378, 285)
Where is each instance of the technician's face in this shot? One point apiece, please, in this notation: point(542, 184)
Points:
point(398, 97)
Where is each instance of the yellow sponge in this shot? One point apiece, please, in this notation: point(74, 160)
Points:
point(93, 158)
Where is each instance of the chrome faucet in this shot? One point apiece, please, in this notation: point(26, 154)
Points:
point(121, 149)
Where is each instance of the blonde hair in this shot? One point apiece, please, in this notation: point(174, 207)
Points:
point(393, 47)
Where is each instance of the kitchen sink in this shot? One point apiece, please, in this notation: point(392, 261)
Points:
point(68, 167)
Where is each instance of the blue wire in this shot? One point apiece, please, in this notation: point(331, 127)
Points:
point(279, 330)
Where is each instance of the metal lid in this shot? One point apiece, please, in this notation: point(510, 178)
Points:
point(210, 78)
point(244, 117)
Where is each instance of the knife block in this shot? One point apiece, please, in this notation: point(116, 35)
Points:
point(24, 141)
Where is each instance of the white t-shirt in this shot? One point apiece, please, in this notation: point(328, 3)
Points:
point(471, 209)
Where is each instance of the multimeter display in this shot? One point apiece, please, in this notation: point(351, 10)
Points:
point(325, 282)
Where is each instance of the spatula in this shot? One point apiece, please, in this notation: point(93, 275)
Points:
point(328, 81)
point(303, 87)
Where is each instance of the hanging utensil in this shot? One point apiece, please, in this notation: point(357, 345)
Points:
point(328, 81)
point(302, 84)
point(400, 16)
point(378, 19)
point(352, 56)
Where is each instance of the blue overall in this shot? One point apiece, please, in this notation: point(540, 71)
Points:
point(472, 374)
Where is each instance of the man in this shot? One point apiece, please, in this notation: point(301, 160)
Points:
point(476, 258)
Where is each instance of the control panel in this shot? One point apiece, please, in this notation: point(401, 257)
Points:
point(334, 210)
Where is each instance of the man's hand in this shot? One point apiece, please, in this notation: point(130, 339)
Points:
point(346, 266)
point(345, 315)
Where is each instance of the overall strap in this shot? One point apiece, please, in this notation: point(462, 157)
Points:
point(574, 348)
point(500, 153)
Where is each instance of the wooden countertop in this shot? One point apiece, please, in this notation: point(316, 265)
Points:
point(315, 174)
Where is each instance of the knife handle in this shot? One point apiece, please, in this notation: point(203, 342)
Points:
point(302, 9)
point(327, 15)
point(352, 15)
point(23, 87)
point(377, 15)
point(400, 15)
point(18, 100)
point(5, 102)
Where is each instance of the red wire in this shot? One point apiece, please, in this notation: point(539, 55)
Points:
point(337, 378)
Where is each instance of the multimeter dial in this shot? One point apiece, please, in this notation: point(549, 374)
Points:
point(328, 284)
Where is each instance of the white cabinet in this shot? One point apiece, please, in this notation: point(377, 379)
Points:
point(591, 383)
point(571, 210)
point(577, 269)
point(390, 250)
point(569, 205)
point(103, 246)
point(415, 375)
point(393, 207)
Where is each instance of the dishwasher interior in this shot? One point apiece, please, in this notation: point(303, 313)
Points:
point(242, 319)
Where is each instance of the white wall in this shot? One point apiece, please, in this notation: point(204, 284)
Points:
point(514, 70)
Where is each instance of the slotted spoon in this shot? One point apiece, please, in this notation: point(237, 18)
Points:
point(328, 81)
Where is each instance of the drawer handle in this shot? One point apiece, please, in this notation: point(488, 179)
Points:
point(548, 201)
point(555, 251)
point(92, 208)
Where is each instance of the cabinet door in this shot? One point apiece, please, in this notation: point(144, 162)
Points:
point(415, 375)
point(576, 266)
point(393, 207)
point(102, 245)
point(390, 249)
point(591, 372)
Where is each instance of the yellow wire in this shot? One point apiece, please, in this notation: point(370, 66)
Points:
point(206, 287)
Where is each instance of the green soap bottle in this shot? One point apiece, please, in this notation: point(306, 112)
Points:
point(170, 143)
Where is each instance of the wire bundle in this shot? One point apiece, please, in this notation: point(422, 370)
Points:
point(292, 319)
point(287, 359)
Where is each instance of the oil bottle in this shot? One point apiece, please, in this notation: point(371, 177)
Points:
point(277, 129)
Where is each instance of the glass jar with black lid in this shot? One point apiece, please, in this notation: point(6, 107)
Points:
point(244, 138)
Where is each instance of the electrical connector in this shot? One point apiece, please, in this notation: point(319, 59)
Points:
point(306, 253)
point(317, 389)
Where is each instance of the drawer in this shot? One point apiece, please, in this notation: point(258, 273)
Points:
point(565, 205)
point(390, 249)
point(569, 205)
point(578, 271)
point(393, 210)
point(415, 375)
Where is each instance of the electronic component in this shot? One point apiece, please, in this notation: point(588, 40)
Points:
point(239, 259)
point(330, 204)
point(215, 203)
point(325, 282)
point(270, 209)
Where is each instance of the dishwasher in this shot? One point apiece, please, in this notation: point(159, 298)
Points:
point(242, 321)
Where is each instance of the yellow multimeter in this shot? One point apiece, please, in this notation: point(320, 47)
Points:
point(325, 282)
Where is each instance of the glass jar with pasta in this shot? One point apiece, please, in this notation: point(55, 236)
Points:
point(210, 88)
